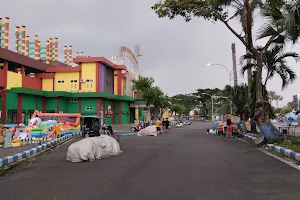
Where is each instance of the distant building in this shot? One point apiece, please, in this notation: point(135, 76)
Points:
point(296, 101)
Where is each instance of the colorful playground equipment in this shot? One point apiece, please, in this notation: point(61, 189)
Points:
point(45, 126)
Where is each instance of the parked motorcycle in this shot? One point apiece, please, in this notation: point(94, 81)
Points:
point(136, 128)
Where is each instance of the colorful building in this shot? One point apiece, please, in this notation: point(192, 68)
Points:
point(32, 78)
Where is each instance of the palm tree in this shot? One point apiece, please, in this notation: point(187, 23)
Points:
point(274, 62)
point(239, 98)
point(274, 97)
point(284, 22)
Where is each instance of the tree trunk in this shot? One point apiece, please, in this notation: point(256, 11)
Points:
point(235, 81)
point(262, 112)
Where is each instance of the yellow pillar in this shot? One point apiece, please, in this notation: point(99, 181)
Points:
point(137, 112)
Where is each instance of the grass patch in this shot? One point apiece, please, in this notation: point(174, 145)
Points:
point(15, 168)
point(288, 142)
point(259, 135)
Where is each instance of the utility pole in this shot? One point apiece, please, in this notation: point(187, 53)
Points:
point(234, 64)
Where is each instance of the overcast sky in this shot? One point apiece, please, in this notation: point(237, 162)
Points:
point(175, 53)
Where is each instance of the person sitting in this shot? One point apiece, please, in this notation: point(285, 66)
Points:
point(220, 129)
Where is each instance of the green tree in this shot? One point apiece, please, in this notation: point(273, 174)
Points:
point(143, 83)
point(189, 101)
point(274, 97)
point(277, 110)
point(218, 10)
point(153, 95)
point(286, 110)
point(177, 108)
point(274, 62)
point(238, 95)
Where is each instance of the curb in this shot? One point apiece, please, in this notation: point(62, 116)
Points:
point(284, 151)
point(31, 152)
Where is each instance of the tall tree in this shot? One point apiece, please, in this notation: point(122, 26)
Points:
point(274, 63)
point(239, 97)
point(274, 97)
point(218, 10)
point(189, 101)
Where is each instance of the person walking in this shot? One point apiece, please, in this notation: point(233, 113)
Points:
point(158, 123)
point(167, 125)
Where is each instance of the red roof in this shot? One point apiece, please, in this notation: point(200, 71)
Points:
point(22, 60)
point(99, 59)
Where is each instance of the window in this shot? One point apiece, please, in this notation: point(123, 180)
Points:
point(61, 81)
point(73, 100)
point(89, 108)
point(12, 116)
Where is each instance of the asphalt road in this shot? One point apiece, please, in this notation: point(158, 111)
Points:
point(185, 164)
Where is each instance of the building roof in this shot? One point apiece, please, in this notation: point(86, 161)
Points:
point(22, 60)
point(64, 69)
point(58, 64)
point(101, 60)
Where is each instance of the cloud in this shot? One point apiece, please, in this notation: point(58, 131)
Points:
point(175, 53)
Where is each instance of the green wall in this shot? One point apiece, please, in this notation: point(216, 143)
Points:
point(88, 102)
point(40, 103)
point(73, 107)
point(11, 101)
point(51, 104)
point(31, 103)
point(63, 104)
point(125, 112)
point(28, 104)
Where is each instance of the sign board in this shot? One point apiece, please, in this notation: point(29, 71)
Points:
point(108, 111)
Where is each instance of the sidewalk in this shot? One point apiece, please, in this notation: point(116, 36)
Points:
point(14, 150)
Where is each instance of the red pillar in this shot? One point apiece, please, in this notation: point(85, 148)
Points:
point(44, 105)
point(58, 105)
point(120, 112)
point(119, 83)
point(105, 79)
point(19, 110)
point(97, 77)
point(3, 93)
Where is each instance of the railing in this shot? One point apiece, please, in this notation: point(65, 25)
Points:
point(32, 82)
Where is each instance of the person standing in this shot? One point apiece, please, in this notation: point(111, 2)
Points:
point(163, 125)
point(158, 123)
point(167, 124)
point(229, 127)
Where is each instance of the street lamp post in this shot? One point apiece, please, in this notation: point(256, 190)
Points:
point(230, 75)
